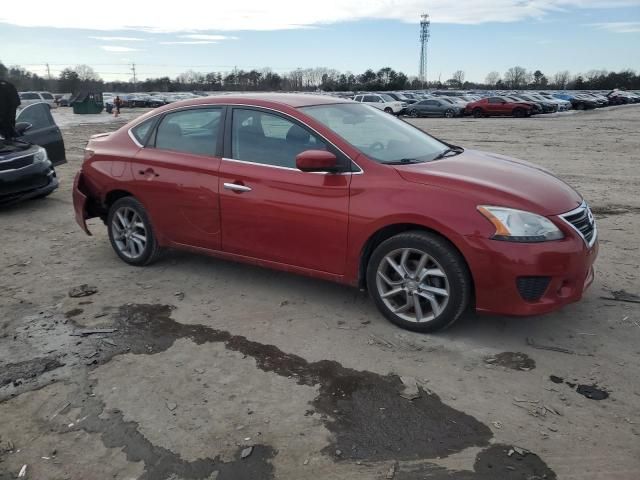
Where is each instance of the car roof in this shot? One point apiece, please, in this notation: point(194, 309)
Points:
point(294, 100)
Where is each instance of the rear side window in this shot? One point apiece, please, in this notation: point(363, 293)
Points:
point(47, 96)
point(190, 131)
point(261, 137)
point(141, 130)
point(29, 96)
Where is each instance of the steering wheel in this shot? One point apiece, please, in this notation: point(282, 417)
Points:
point(376, 146)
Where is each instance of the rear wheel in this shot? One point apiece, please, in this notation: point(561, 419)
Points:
point(131, 233)
point(580, 106)
point(419, 281)
point(477, 113)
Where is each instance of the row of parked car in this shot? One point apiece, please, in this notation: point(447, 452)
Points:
point(483, 104)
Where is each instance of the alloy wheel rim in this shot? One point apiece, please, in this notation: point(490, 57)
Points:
point(129, 232)
point(412, 285)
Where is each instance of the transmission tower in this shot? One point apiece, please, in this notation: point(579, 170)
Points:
point(425, 23)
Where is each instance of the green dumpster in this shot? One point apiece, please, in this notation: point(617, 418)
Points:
point(87, 102)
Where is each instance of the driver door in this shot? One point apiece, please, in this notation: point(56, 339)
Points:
point(269, 209)
point(43, 131)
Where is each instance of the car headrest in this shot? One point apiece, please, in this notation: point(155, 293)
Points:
point(298, 134)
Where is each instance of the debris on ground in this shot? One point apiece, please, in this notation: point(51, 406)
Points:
point(410, 391)
point(171, 406)
point(498, 425)
point(623, 296)
point(23, 472)
point(592, 392)
point(531, 342)
point(83, 290)
point(179, 295)
point(513, 360)
point(246, 452)
point(391, 473)
point(6, 446)
point(92, 331)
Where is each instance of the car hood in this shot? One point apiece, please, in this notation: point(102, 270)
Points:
point(497, 180)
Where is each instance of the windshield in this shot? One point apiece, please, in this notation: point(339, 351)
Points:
point(387, 98)
point(378, 135)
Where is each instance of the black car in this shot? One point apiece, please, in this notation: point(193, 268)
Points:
point(27, 164)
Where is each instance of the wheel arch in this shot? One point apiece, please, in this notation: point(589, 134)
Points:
point(391, 230)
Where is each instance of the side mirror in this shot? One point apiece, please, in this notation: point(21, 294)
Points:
point(22, 127)
point(316, 161)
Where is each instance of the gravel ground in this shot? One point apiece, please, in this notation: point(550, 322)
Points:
point(209, 369)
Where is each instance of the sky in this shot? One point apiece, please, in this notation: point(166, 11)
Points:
point(475, 36)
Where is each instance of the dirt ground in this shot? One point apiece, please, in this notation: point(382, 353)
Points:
point(209, 369)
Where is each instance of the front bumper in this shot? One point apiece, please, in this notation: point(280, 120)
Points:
point(496, 267)
point(36, 180)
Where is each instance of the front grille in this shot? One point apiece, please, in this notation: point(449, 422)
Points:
point(16, 163)
point(581, 219)
point(532, 288)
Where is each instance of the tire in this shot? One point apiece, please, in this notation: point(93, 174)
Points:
point(449, 114)
point(413, 113)
point(477, 113)
point(580, 106)
point(518, 112)
point(128, 247)
point(388, 110)
point(449, 274)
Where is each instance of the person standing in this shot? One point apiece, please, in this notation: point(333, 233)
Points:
point(9, 103)
point(117, 103)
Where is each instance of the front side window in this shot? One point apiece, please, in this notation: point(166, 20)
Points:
point(29, 96)
point(380, 136)
point(496, 100)
point(190, 131)
point(38, 115)
point(47, 96)
point(269, 139)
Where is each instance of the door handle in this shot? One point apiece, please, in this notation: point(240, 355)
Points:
point(237, 187)
point(148, 171)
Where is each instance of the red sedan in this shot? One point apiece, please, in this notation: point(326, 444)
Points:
point(338, 190)
point(497, 106)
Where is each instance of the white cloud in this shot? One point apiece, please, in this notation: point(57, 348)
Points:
point(618, 27)
point(117, 49)
point(286, 14)
point(118, 39)
point(188, 42)
point(208, 37)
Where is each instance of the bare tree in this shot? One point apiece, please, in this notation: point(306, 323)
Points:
point(458, 77)
point(516, 77)
point(561, 79)
point(86, 73)
point(492, 78)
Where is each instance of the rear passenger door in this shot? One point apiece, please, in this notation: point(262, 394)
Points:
point(43, 131)
point(272, 211)
point(176, 174)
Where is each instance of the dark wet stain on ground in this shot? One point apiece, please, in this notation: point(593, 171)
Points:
point(161, 463)
point(493, 463)
point(364, 411)
point(592, 392)
point(512, 360)
point(73, 313)
point(21, 371)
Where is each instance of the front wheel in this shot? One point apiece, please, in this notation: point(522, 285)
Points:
point(449, 114)
point(388, 110)
point(419, 281)
point(131, 233)
point(413, 113)
point(477, 113)
point(519, 112)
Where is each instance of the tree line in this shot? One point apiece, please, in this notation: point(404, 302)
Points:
point(85, 78)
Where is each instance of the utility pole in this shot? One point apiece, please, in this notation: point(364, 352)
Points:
point(425, 23)
point(48, 72)
point(135, 79)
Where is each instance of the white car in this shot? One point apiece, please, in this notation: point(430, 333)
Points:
point(382, 101)
point(29, 98)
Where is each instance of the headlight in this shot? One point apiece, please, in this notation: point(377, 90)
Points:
point(519, 226)
point(40, 156)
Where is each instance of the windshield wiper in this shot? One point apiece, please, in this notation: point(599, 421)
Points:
point(404, 161)
point(451, 151)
